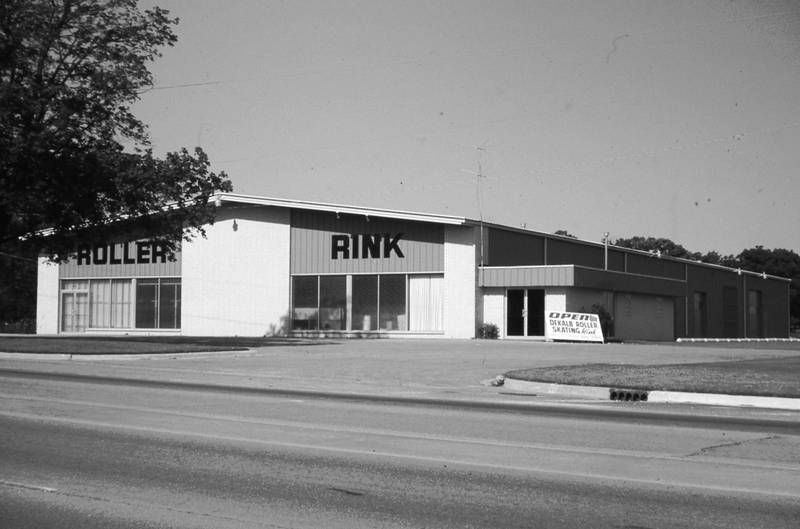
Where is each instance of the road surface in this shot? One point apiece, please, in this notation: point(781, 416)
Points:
point(104, 455)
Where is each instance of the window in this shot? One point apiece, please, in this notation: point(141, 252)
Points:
point(305, 313)
point(367, 302)
point(154, 303)
point(169, 314)
point(333, 303)
point(74, 305)
point(392, 307)
point(319, 302)
point(158, 303)
point(425, 302)
point(110, 303)
point(146, 303)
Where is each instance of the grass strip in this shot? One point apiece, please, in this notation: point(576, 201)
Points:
point(767, 377)
point(96, 345)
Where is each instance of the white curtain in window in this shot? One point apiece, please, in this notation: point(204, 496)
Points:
point(110, 303)
point(100, 304)
point(121, 303)
point(425, 302)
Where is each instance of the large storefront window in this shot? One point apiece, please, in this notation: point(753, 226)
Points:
point(120, 304)
point(111, 303)
point(305, 312)
point(365, 303)
point(370, 302)
point(393, 303)
point(332, 303)
point(425, 303)
point(158, 303)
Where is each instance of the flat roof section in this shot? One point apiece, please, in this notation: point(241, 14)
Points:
point(578, 276)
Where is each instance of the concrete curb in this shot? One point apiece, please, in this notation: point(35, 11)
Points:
point(119, 356)
point(667, 397)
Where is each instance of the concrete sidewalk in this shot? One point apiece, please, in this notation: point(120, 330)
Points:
point(429, 369)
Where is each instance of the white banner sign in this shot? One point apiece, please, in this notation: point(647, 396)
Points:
point(574, 326)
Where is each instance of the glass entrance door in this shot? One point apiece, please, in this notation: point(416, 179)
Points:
point(525, 312)
point(74, 311)
point(515, 313)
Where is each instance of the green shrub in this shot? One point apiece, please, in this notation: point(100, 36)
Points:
point(488, 331)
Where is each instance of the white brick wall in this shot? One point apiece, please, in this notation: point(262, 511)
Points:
point(47, 298)
point(494, 308)
point(460, 282)
point(236, 282)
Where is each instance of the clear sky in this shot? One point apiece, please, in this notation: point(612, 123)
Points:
point(675, 119)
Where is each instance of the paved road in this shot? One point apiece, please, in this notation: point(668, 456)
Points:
point(77, 454)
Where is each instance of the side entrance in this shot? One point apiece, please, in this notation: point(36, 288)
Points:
point(524, 312)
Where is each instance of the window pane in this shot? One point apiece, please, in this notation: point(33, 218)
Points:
point(74, 311)
point(121, 303)
point(100, 303)
point(75, 284)
point(393, 303)
point(304, 295)
point(332, 302)
point(425, 302)
point(146, 303)
point(169, 306)
point(365, 303)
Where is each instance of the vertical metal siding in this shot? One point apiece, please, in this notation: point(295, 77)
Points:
point(508, 248)
point(653, 266)
point(422, 244)
point(169, 268)
point(567, 252)
point(528, 276)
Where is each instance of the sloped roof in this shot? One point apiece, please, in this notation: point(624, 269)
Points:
point(339, 208)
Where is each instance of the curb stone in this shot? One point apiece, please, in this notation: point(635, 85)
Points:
point(513, 385)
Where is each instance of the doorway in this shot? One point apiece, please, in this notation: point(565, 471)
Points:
point(524, 312)
point(74, 311)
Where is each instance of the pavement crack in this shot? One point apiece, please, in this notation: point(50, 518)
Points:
point(705, 450)
point(346, 491)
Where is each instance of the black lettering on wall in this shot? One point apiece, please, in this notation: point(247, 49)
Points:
point(371, 246)
point(340, 244)
point(391, 245)
point(366, 246)
point(126, 254)
point(85, 256)
point(99, 255)
point(159, 254)
point(112, 255)
point(142, 252)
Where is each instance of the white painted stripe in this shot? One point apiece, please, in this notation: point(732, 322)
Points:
point(27, 486)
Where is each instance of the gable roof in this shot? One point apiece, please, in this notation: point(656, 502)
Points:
point(222, 198)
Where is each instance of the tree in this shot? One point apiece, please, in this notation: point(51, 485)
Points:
point(653, 244)
point(565, 233)
point(74, 160)
point(75, 163)
point(778, 262)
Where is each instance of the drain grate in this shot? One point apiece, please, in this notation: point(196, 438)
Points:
point(628, 395)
